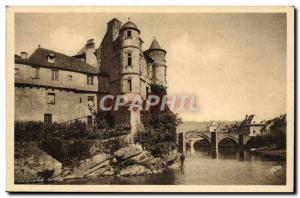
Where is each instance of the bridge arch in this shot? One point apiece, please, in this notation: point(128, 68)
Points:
point(234, 138)
point(228, 143)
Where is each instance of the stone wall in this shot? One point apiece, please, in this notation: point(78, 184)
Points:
point(66, 79)
point(31, 103)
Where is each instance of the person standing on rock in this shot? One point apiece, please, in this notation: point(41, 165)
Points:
point(182, 158)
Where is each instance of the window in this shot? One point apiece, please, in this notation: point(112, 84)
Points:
point(89, 120)
point(80, 100)
point(147, 92)
point(129, 85)
point(91, 98)
point(129, 58)
point(90, 80)
point(70, 77)
point(51, 58)
point(254, 131)
point(128, 34)
point(51, 98)
point(48, 118)
point(54, 75)
point(35, 72)
point(16, 71)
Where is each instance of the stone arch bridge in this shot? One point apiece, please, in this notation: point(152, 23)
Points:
point(213, 138)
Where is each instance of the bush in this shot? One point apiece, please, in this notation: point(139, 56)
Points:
point(26, 131)
point(54, 147)
point(105, 133)
point(160, 137)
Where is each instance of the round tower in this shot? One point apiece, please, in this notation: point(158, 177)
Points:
point(130, 56)
point(159, 66)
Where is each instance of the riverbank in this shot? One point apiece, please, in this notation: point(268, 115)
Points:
point(34, 165)
point(273, 152)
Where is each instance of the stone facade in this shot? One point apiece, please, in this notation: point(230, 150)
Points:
point(119, 66)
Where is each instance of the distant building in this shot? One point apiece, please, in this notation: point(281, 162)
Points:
point(51, 86)
point(256, 129)
point(278, 124)
point(250, 127)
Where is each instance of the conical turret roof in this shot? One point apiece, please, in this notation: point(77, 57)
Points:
point(155, 45)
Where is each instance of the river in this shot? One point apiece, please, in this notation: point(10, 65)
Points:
point(204, 167)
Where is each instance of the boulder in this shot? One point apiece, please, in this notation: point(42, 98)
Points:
point(32, 161)
point(97, 159)
point(176, 164)
point(156, 164)
point(85, 164)
point(130, 151)
point(141, 158)
point(96, 167)
point(171, 156)
point(108, 173)
point(134, 170)
point(97, 172)
point(66, 171)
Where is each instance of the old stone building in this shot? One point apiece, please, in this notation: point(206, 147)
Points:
point(51, 86)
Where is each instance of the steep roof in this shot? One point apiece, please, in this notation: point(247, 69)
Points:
point(155, 46)
point(62, 61)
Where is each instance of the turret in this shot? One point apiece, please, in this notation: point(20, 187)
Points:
point(159, 67)
point(129, 43)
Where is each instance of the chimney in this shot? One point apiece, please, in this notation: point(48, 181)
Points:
point(24, 55)
point(246, 117)
point(113, 28)
point(90, 56)
point(90, 44)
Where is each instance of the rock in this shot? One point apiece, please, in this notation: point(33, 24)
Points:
point(156, 164)
point(96, 167)
point(72, 176)
point(97, 172)
point(157, 171)
point(114, 161)
point(134, 170)
point(127, 152)
point(97, 159)
point(141, 158)
point(33, 160)
point(66, 171)
point(171, 156)
point(85, 164)
point(108, 173)
point(176, 164)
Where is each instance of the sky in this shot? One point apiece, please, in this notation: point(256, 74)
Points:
point(233, 63)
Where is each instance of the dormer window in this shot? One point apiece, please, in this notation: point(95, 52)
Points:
point(128, 34)
point(51, 58)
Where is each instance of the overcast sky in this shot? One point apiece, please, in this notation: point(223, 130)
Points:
point(235, 64)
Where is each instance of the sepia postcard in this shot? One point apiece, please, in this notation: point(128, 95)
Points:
point(150, 99)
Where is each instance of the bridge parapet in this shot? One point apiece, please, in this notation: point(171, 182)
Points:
point(212, 137)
